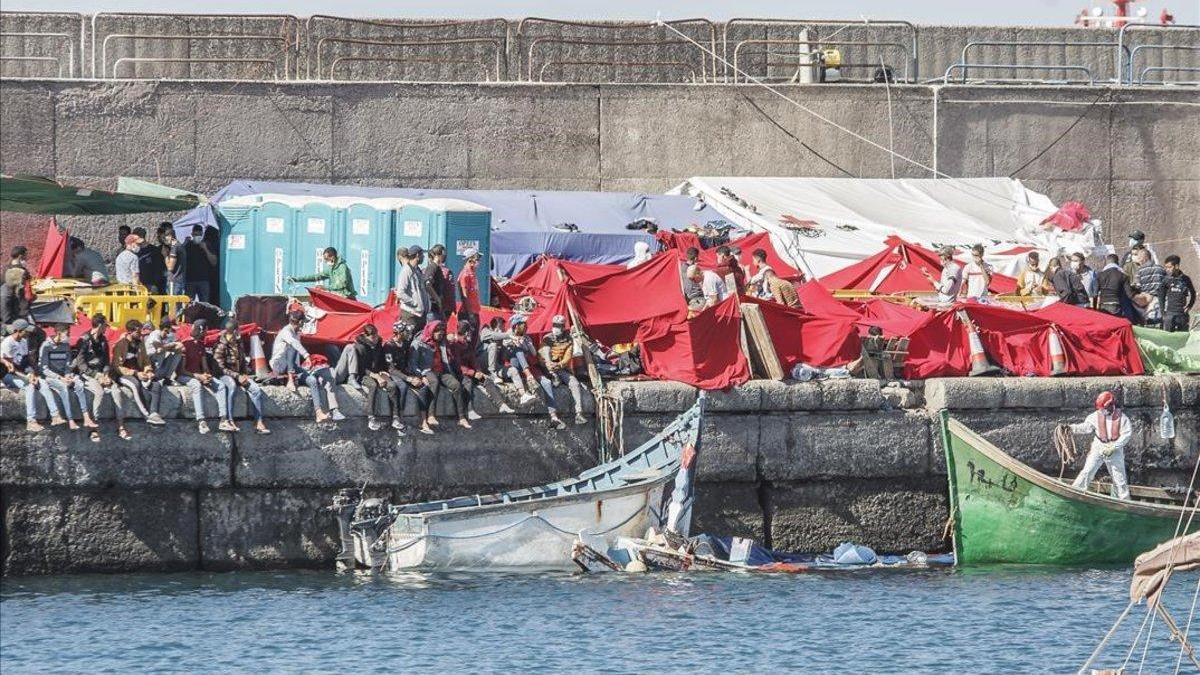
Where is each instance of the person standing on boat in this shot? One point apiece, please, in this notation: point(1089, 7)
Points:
point(1111, 431)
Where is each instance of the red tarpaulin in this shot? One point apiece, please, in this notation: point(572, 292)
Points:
point(893, 319)
point(1096, 343)
point(816, 299)
point(1070, 216)
point(611, 306)
point(332, 302)
point(543, 278)
point(703, 352)
point(799, 337)
point(897, 269)
point(679, 241)
point(747, 246)
point(54, 252)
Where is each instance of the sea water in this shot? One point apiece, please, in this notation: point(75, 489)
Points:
point(989, 620)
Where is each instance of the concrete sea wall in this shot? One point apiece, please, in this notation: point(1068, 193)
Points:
point(801, 466)
point(1128, 153)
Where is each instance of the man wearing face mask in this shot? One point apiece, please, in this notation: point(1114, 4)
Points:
point(1137, 238)
point(198, 264)
point(557, 354)
point(337, 276)
point(978, 275)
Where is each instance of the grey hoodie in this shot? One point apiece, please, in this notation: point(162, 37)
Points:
point(411, 291)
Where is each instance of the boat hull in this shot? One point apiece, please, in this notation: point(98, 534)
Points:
point(1006, 512)
point(522, 536)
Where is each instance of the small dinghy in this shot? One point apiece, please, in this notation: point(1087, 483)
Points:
point(533, 528)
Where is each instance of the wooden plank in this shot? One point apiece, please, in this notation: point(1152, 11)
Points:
point(761, 347)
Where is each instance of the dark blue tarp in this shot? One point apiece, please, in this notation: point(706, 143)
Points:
point(523, 221)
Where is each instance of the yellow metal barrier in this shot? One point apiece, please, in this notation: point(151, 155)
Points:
point(119, 308)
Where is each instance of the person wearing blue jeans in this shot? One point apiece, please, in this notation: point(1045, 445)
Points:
point(234, 371)
point(54, 366)
point(18, 373)
point(288, 358)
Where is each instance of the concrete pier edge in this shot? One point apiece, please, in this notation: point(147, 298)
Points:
point(799, 466)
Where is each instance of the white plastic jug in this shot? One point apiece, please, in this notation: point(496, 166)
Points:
point(1166, 424)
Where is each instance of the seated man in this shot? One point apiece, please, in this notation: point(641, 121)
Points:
point(20, 373)
point(520, 354)
point(465, 365)
point(234, 371)
point(430, 358)
point(558, 352)
point(165, 352)
point(780, 290)
point(289, 359)
point(137, 373)
point(396, 357)
point(198, 376)
point(54, 366)
point(357, 356)
point(93, 365)
point(491, 345)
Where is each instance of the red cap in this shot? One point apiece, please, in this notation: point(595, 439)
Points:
point(1105, 399)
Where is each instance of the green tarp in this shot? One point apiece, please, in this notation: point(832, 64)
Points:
point(35, 194)
point(1164, 352)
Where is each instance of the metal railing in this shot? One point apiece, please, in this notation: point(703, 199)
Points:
point(1161, 48)
point(188, 60)
point(809, 24)
point(1017, 66)
point(497, 54)
point(690, 69)
point(67, 37)
point(1167, 69)
point(524, 26)
point(965, 64)
point(635, 44)
point(288, 30)
point(493, 28)
point(1121, 42)
point(812, 53)
point(282, 42)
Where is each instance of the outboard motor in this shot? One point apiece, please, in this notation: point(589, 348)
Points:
point(345, 503)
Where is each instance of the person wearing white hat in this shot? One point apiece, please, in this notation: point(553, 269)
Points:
point(557, 354)
point(641, 254)
point(468, 286)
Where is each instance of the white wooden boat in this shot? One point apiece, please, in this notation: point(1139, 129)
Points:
point(532, 528)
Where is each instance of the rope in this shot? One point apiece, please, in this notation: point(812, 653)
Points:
point(1103, 94)
point(887, 87)
point(1183, 643)
point(1105, 639)
point(1064, 443)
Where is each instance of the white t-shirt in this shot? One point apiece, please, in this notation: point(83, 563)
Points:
point(713, 286)
point(950, 282)
point(14, 350)
point(287, 337)
point(976, 288)
point(126, 267)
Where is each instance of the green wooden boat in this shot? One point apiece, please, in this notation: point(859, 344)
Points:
point(1004, 511)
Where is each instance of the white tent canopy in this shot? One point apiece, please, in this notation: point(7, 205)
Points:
point(825, 224)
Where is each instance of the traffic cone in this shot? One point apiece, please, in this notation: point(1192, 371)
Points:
point(258, 357)
point(1058, 358)
point(980, 365)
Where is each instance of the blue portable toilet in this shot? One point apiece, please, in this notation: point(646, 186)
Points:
point(316, 229)
point(412, 222)
point(256, 245)
point(369, 249)
point(459, 225)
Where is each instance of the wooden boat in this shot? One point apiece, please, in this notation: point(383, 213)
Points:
point(1004, 511)
point(533, 528)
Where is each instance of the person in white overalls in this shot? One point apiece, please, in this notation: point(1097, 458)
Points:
point(1111, 431)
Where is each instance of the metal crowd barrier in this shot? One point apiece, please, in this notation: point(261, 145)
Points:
point(1121, 42)
point(187, 59)
point(817, 45)
point(288, 27)
point(70, 41)
point(1017, 66)
point(604, 43)
point(497, 45)
point(525, 24)
point(121, 308)
point(689, 68)
point(805, 24)
point(313, 23)
point(965, 63)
